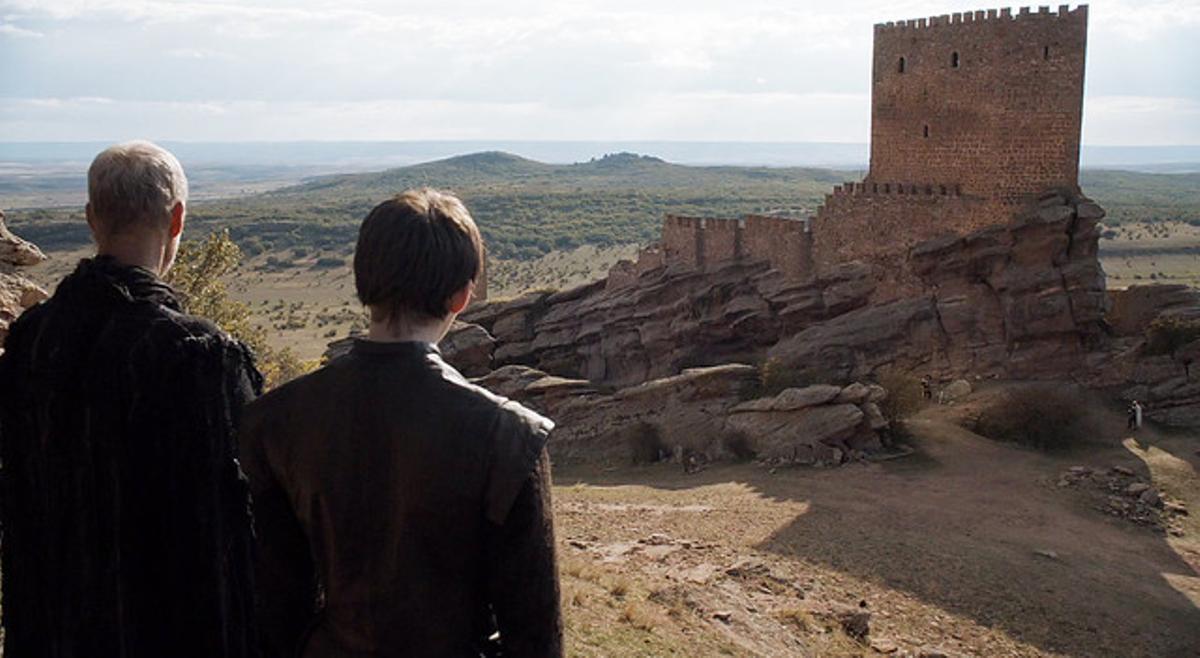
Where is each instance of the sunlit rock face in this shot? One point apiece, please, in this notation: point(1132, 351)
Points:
point(1025, 299)
point(17, 292)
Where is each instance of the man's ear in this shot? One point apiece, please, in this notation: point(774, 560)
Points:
point(91, 218)
point(460, 299)
point(177, 215)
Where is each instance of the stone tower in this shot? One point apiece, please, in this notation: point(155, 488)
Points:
point(988, 101)
point(973, 116)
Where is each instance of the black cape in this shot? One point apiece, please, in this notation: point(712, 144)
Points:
point(125, 516)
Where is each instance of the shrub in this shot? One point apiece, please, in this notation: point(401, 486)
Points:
point(1047, 417)
point(738, 444)
point(645, 444)
point(904, 395)
point(775, 376)
point(1166, 335)
point(328, 262)
point(199, 278)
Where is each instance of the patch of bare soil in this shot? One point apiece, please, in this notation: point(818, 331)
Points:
point(967, 547)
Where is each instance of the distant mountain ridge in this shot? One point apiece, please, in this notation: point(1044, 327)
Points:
point(528, 208)
point(613, 170)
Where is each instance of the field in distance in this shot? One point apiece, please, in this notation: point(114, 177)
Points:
point(557, 226)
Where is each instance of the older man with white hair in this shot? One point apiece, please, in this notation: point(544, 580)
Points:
point(125, 515)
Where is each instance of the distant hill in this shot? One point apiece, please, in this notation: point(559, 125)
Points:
point(1131, 196)
point(527, 208)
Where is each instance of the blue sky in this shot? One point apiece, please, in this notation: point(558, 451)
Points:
point(757, 70)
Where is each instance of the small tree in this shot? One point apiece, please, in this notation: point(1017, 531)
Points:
point(199, 278)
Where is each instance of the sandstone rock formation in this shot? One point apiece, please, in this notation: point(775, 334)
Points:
point(702, 413)
point(816, 424)
point(17, 292)
point(671, 319)
point(467, 347)
point(1165, 378)
point(1026, 300)
point(1021, 300)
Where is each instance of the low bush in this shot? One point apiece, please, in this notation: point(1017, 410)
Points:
point(645, 444)
point(328, 262)
point(1047, 417)
point(738, 444)
point(904, 395)
point(775, 376)
point(1165, 335)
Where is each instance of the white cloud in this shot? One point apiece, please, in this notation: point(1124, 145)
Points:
point(574, 69)
point(1141, 120)
point(749, 117)
point(15, 31)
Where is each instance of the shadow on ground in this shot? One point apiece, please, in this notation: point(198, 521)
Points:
point(980, 530)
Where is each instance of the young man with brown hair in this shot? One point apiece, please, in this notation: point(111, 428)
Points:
point(401, 510)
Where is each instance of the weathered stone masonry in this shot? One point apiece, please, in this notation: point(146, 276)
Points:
point(973, 116)
point(696, 243)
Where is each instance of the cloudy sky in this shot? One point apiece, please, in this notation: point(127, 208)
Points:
point(756, 70)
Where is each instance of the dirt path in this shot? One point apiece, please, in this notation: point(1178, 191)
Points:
point(968, 546)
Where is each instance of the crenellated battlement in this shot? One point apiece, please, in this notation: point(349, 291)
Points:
point(973, 115)
point(981, 16)
point(699, 242)
point(991, 101)
point(898, 189)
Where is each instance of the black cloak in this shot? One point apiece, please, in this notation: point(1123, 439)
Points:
point(125, 516)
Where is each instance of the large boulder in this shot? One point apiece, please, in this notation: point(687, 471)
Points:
point(701, 413)
point(467, 347)
point(832, 423)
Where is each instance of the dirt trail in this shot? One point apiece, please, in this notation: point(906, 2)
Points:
point(967, 545)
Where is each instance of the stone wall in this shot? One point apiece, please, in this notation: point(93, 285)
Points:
point(784, 243)
point(681, 241)
point(697, 243)
point(878, 223)
point(991, 101)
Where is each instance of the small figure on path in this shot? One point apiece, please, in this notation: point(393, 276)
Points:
point(927, 387)
point(1134, 413)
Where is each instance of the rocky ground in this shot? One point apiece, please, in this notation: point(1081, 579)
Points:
point(968, 547)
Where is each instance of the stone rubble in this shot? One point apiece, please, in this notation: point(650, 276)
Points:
point(1119, 492)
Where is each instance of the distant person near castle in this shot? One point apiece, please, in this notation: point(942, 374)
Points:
point(1134, 413)
point(402, 510)
point(126, 520)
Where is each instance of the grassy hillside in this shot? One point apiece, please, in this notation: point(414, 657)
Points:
point(1139, 197)
point(528, 209)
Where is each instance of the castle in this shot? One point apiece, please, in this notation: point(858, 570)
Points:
point(973, 116)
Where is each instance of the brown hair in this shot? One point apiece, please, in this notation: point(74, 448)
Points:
point(414, 252)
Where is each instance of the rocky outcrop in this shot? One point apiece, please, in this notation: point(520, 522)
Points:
point(701, 414)
point(17, 292)
point(1026, 300)
point(1023, 300)
point(817, 424)
point(467, 347)
point(670, 320)
point(1154, 356)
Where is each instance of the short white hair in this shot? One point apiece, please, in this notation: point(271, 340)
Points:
point(135, 183)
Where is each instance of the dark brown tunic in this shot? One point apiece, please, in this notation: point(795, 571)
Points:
point(126, 520)
point(401, 511)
